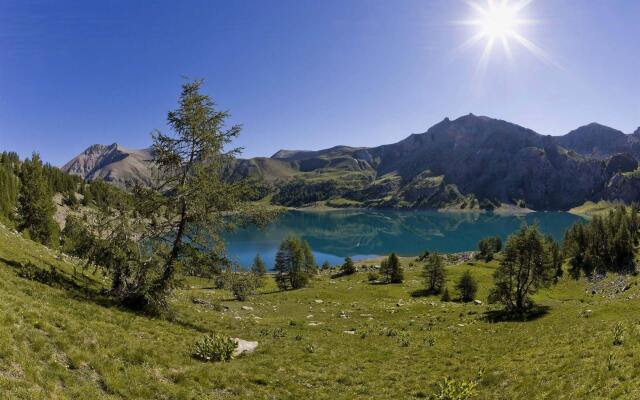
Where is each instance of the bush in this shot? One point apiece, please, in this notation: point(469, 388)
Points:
point(445, 295)
point(451, 389)
point(215, 347)
point(372, 277)
point(348, 268)
point(241, 284)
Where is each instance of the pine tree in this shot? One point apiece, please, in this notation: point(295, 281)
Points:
point(258, 267)
point(467, 287)
point(309, 261)
point(525, 268)
point(434, 274)
point(396, 274)
point(36, 206)
point(290, 264)
point(9, 185)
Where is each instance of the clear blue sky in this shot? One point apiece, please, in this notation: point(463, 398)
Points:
point(304, 74)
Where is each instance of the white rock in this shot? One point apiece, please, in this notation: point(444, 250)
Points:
point(350, 332)
point(247, 308)
point(478, 302)
point(244, 346)
point(318, 301)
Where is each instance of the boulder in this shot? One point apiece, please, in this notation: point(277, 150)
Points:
point(477, 302)
point(244, 346)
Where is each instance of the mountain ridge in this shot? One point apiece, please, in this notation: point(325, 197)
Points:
point(471, 162)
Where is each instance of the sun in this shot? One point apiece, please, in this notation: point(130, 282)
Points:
point(498, 21)
point(501, 21)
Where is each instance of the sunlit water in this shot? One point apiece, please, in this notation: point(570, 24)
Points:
point(334, 235)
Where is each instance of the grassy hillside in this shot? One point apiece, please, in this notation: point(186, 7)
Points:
point(590, 209)
point(333, 340)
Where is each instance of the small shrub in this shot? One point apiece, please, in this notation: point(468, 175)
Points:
point(452, 389)
point(278, 333)
point(372, 277)
point(215, 347)
point(403, 339)
point(388, 332)
point(445, 295)
point(264, 332)
point(611, 362)
point(618, 334)
point(310, 348)
point(430, 341)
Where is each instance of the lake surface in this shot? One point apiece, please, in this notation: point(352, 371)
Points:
point(334, 235)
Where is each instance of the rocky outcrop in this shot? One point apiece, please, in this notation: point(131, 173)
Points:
point(114, 164)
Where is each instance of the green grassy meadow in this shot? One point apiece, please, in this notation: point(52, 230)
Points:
point(341, 338)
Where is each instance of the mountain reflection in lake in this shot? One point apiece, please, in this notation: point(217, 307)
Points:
point(334, 235)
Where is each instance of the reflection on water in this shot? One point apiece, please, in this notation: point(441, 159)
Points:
point(334, 235)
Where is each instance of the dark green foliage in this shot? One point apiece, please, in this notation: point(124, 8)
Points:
point(9, 185)
point(298, 193)
point(309, 261)
point(326, 266)
point(290, 264)
point(76, 238)
point(487, 247)
point(104, 195)
point(555, 256)
point(433, 274)
point(348, 267)
point(60, 182)
point(445, 295)
point(423, 257)
point(258, 267)
point(391, 270)
point(71, 200)
point(605, 244)
point(36, 208)
point(241, 284)
point(133, 267)
point(467, 287)
point(526, 267)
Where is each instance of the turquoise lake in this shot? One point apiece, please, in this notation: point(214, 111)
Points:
point(334, 235)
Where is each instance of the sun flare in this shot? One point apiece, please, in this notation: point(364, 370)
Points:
point(501, 21)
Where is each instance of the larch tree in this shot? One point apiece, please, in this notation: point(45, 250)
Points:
point(433, 273)
point(526, 267)
point(192, 202)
